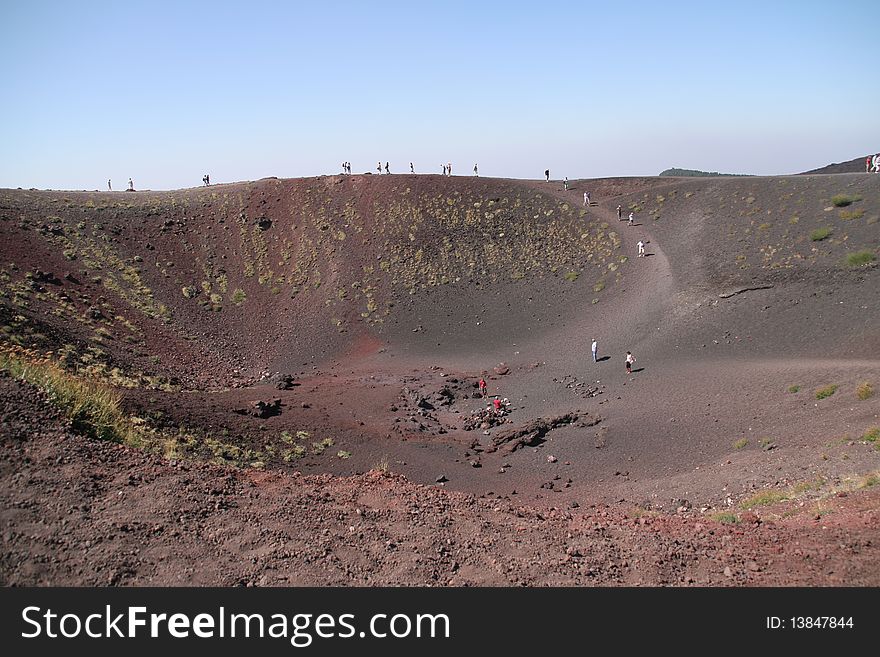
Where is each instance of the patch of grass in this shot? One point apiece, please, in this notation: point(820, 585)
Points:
point(318, 448)
point(295, 452)
point(571, 276)
point(793, 389)
point(842, 200)
point(859, 258)
point(742, 442)
point(827, 391)
point(725, 517)
point(342, 454)
point(764, 498)
point(869, 480)
point(238, 296)
point(864, 391)
point(846, 215)
point(821, 233)
point(93, 410)
point(872, 435)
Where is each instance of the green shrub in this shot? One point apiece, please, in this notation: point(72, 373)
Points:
point(742, 442)
point(865, 391)
point(859, 258)
point(725, 517)
point(842, 200)
point(793, 389)
point(820, 233)
point(238, 296)
point(764, 498)
point(872, 435)
point(827, 391)
point(846, 215)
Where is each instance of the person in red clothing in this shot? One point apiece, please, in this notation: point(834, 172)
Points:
point(482, 386)
point(497, 404)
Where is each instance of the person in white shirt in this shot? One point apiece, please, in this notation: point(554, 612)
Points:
point(595, 349)
point(630, 359)
point(641, 246)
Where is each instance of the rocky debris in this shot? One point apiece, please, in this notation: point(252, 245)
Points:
point(285, 381)
point(40, 276)
point(600, 437)
point(262, 409)
point(501, 369)
point(441, 479)
point(532, 433)
point(95, 313)
point(551, 459)
point(486, 418)
point(264, 223)
point(580, 388)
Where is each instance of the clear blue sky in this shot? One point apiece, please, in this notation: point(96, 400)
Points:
point(164, 92)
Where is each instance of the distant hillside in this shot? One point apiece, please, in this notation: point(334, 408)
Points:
point(693, 173)
point(853, 166)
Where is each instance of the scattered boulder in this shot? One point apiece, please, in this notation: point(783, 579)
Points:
point(262, 409)
point(41, 276)
point(264, 223)
point(501, 369)
point(285, 381)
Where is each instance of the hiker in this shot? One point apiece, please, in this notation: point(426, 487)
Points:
point(475, 170)
point(411, 169)
point(482, 385)
point(387, 170)
point(207, 178)
point(496, 403)
point(631, 219)
point(130, 185)
point(449, 168)
point(444, 169)
point(379, 168)
point(547, 174)
point(595, 350)
point(565, 184)
point(868, 164)
point(619, 211)
point(587, 202)
point(630, 359)
point(587, 194)
point(109, 188)
point(641, 246)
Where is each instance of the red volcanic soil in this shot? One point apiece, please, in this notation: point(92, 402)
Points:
point(80, 512)
point(369, 307)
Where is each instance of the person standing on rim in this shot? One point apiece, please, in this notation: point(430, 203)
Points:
point(595, 350)
point(630, 359)
point(475, 170)
point(411, 169)
point(109, 188)
point(547, 174)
